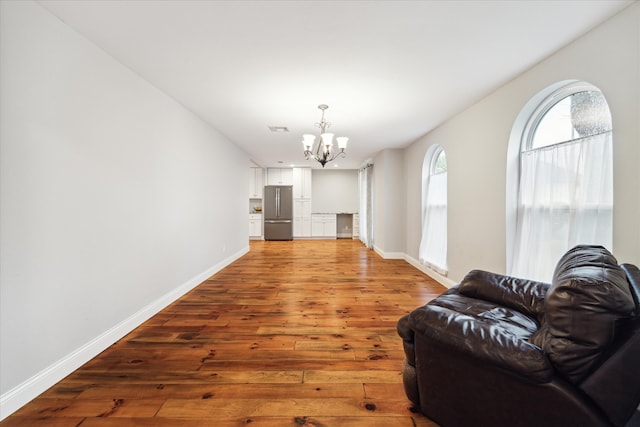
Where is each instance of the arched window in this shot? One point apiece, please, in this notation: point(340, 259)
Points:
point(564, 181)
point(433, 244)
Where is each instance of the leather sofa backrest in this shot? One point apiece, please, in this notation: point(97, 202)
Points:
point(588, 296)
point(526, 296)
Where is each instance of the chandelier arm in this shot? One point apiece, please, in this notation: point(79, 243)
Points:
point(318, 147)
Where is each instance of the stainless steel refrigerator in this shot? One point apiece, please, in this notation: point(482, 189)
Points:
point(278, 212)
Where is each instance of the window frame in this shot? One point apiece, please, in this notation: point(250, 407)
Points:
point(521, 138)
point(546, 105)
point(429, 166)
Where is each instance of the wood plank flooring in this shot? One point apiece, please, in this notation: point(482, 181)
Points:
point(299, 333)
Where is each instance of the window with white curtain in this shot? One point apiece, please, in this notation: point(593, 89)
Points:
point(565, 180)
point(366, 205)
point(433, 243)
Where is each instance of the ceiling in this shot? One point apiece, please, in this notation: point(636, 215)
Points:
point(390, 71)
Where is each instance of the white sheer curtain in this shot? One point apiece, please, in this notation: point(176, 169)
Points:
point(565, 198)
point(366, 206)
point(433, 244)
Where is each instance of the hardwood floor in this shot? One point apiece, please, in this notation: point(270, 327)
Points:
point(292, 334)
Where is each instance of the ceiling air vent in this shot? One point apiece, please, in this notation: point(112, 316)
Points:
point(278, 129)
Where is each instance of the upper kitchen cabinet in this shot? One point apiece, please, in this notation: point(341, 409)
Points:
point(279, 176)
point(301, 183)
point(256, 182)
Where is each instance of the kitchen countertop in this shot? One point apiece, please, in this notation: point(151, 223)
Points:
point(333, 213)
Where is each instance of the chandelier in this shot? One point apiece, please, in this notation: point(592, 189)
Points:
point(323, 151)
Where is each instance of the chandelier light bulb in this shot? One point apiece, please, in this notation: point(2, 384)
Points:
point(327, 139)
point(307, 141)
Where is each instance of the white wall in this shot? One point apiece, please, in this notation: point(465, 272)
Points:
point(114, 201)
point(389, 203)
point(476, 145)
point(334, 191)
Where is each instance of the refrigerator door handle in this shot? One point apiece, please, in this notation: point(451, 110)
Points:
point(278, 202)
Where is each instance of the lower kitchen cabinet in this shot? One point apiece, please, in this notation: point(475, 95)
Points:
point(301, 218)
point(255, 226)
point(323, 226)
point(301, 227)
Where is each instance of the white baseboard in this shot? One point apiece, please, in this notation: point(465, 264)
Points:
point(388, 255)
point(443, 280)
point(20, 395)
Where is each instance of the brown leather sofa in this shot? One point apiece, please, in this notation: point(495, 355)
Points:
point(501, 351)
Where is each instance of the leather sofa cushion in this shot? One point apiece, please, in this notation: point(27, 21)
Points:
point(589, 294)
point(480, 329)
point(526, 296)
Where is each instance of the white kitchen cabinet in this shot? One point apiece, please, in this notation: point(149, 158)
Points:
point(256, 182)
point(301, 218)
point(301, 228)
point(301, 183)
point(323, 226)
point(280, 176)
point(255, 226)
point(302, 208)
point(302, 203)
point(317, 226)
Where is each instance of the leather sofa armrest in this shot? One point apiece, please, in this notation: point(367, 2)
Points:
point(488, 339)
point(407, 335)
point(526, 296)
point(406, 332)
point(633, 277)
point(614, 384)
point(409, 374)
